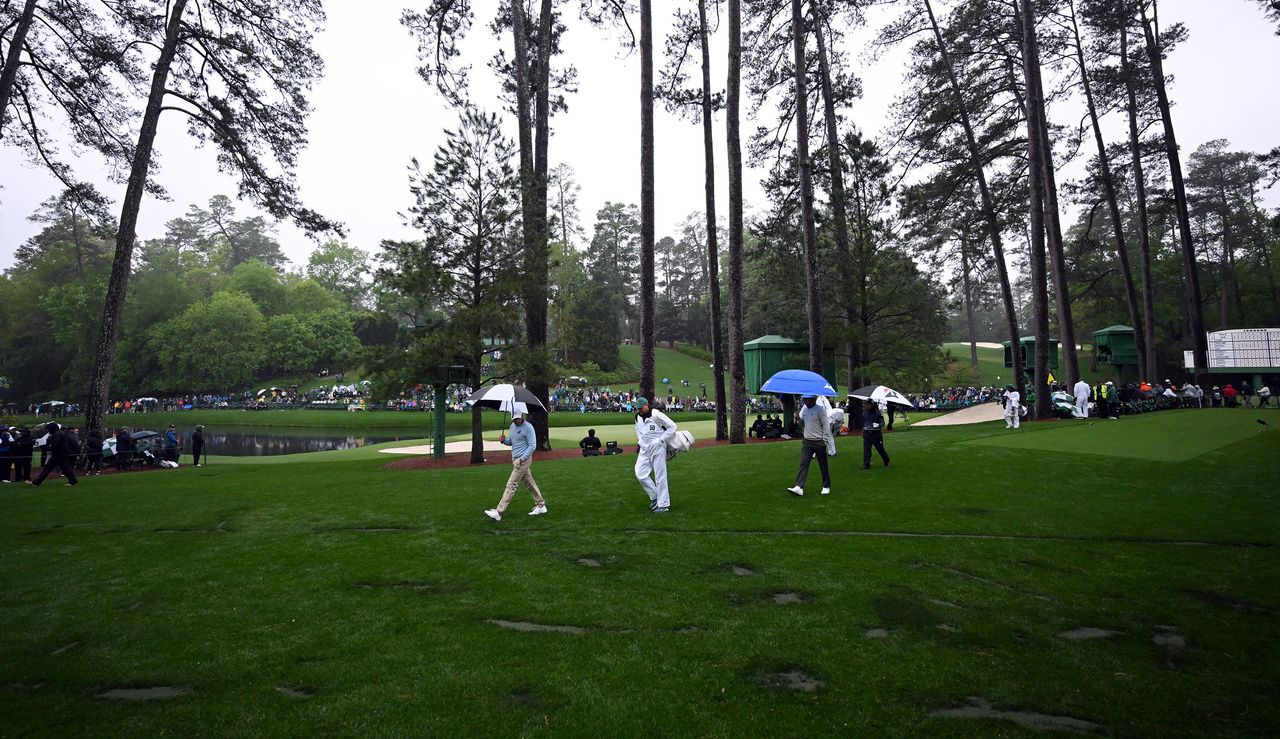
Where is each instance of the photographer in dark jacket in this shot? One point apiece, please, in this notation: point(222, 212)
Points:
point(93, 452)
point(7, 440)
point(23, 446)
point(872, 436)
point(62, 448)
point(197, 445)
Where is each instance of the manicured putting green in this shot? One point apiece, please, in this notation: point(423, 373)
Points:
point(1169, 436)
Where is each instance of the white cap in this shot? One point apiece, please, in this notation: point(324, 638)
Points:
point(516, 415)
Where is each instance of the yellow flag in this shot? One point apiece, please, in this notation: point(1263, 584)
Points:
point(1051, 380)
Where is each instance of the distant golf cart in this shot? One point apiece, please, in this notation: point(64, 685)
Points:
point(146, 450)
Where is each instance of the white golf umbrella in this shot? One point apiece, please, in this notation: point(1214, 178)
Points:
point(881, 394)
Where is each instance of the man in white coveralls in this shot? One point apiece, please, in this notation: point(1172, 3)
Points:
point(653, 429)
point(1012, 406)
point(1081, 391)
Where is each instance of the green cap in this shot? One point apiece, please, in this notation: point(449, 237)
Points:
point(640, 402)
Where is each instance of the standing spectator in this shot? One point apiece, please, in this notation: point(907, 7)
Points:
point(62, 448)
point(872, 436)
point(653, 428)
point(523, 441)
point(197, 445)
point(1229, 395)
point(1012, 407)
point(23, 446)
point(93, 452)
point(1246, 393)
point(124, 448)
point(171, 444)
point(7, 441)
point(1264, 395)
point(817, 433)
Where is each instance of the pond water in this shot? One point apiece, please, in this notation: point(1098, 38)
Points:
point(266, 441)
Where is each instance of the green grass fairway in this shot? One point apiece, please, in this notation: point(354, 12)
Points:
point(991, 367)
point(964, 589)
point(1167, 436)
point(674, 366)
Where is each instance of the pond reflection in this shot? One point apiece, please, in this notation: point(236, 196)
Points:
point(259, 441)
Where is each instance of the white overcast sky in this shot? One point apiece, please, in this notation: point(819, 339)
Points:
point(372, 114)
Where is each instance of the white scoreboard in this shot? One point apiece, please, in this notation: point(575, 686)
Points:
point(1244, 347)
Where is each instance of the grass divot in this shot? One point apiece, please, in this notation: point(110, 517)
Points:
point(1087, 633)
point(791, 679)
point(981, 708)
point(154, 693)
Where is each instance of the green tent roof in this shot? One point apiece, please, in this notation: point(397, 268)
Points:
point(773, 341)
point(1116, 329)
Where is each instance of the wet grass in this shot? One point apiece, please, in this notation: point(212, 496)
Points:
point(307, 599)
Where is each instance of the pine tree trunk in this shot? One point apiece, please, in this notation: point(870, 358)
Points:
point(477, 421)
point(1224, 276)
point(9, 76)
point(647, 380)
point(1148, 328)
point(1200, 340)
point(1053, 224)
point(990, 217)
point(1113, 203)
point(104, 356)
point(538, 274)
point(713, 247)
point(733, 136)
point(1036, 171)
point(839, 219)
point(970, 325)
point(812, 297)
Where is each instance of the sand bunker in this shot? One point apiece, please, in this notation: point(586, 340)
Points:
point(973, 414)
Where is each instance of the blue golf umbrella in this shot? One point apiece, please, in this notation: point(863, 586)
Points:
point(798, 382)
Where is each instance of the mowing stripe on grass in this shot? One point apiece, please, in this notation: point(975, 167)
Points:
point(949, 535)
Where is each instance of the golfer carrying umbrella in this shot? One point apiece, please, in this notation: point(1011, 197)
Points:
point(523, 440)
point(653, 429)
point(817, 437)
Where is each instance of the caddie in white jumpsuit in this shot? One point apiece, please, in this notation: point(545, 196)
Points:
point(1081, 391)
point(1012, 404)
point(653, 428)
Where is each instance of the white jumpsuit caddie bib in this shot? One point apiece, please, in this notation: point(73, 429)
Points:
point(1012, 418)
point(652, 433)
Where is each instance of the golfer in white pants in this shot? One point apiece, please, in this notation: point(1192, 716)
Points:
point(653, 428)
point(1081, 391)
point(1012, 403)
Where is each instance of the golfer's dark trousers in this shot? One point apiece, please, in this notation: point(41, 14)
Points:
point(197, 452)
point(22, 469)
point(62, 463)
point(94, 463)
point(808, 450)
point(872, 439)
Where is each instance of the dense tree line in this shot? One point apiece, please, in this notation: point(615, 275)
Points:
point(957, 220)
point(213, 307)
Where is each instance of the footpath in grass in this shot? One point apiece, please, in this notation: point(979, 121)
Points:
point(966, 589)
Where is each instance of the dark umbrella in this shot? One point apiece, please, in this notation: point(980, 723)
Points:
point(503, 397)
